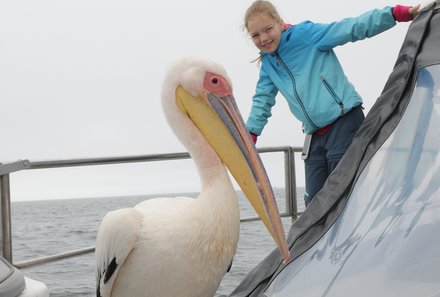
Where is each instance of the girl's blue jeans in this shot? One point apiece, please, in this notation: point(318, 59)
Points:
point(327, 150)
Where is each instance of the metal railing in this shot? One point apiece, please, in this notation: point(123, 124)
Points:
point(5, 196)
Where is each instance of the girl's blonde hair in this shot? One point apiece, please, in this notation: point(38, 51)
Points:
point(260, 7)
point(263, 7)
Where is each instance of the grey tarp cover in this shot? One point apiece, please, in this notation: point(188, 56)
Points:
point(420, 48)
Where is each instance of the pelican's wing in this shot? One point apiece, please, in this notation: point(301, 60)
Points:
point(117, 235)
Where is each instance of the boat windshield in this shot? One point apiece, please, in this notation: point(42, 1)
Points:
point(392, 213)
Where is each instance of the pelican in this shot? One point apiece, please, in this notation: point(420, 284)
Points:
point(183, 246)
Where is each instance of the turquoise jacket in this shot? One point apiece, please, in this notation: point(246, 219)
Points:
point(308, 74)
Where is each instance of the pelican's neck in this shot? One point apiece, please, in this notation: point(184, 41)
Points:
point(209, 166)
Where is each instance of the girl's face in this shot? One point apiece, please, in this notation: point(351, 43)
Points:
point(265, 32)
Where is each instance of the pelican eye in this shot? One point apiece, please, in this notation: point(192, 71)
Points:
point(216, 84)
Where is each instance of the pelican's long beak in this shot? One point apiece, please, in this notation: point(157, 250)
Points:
point(219, 120)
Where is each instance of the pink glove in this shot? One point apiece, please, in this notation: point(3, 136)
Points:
point(254, 137)
point(401, 13)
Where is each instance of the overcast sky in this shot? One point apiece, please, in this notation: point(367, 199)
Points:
point(82, 78)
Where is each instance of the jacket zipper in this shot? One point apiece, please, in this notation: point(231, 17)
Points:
point(333, 94)
point(298, 99)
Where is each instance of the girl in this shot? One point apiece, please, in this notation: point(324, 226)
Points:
point(299, 62)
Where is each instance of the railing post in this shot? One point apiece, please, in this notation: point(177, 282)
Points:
point(5, 216)
point(290, 183)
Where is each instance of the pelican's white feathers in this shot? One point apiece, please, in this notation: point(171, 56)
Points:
point(182, 247)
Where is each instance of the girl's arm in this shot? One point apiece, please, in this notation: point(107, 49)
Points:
point(262, 103)
point(369, 24)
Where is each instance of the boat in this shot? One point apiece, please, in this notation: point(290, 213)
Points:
point(371, 230)
point(13, 283)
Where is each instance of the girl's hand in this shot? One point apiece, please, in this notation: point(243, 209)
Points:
point(405, 13)
point(414, 10)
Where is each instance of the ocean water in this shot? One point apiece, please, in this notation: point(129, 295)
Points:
point(42, 228)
